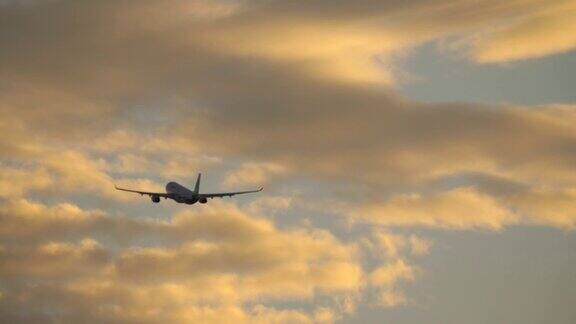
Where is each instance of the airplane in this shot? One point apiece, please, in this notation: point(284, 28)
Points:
point(181, 194)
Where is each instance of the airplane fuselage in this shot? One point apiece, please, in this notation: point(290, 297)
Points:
point(181, 194)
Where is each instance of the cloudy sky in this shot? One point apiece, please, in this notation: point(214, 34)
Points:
point(418, 159)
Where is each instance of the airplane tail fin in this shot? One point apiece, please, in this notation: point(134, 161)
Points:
point(197, 186)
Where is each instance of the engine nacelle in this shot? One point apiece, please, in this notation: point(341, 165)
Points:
point(191, 201)
point(155, 199)
point(203, 200)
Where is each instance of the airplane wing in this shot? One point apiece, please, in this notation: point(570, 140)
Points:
point(228, 194)
point(159, 194)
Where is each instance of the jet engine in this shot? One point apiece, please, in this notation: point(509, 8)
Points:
point(191, 201)
point(203, 200)
point(155, 199)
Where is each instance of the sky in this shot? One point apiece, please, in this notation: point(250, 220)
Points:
point(417, 159)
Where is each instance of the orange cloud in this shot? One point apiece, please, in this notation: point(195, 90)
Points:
point(550, 30)
point(461, 208)
point(129, 88)
point(254, 173)
point(386, 278)
point(224, 259)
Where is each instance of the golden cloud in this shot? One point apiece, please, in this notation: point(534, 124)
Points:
point(254, 173)
point(223, 259)
point(92, 93)
point(389, 245)
point(547, 206)
point(461, 208)
point(387, 276)
point(544, 32)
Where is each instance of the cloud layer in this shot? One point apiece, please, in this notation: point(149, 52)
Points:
point(296, 95)
point(218, 264)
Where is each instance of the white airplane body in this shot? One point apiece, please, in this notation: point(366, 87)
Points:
point(181, 194)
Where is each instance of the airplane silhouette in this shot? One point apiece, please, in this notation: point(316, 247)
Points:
point(183, 195)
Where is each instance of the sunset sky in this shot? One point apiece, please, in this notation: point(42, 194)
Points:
point(418, 160)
